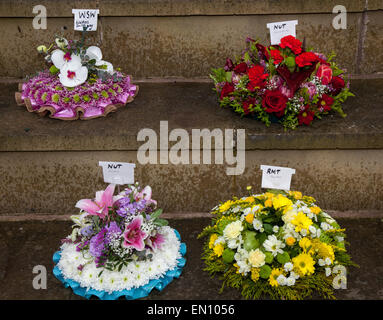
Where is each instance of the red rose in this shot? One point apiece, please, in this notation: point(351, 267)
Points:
point(306, 59)
point(226, 90)
point(247, 105)
point(241, 68)
point(274, 102)
point(305, 116)
point(291, 42)
point(324, 73)
point(276, 56)
point(338, 84)
point(326, 102)
point(257, 77)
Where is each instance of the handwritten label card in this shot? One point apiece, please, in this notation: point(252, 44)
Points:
point(85, 18)
point(118, 172)
point(278, 30)
point(276, 177)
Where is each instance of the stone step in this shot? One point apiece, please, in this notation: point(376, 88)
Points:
point(26, 244)
point(47, 165)
point(187, 38)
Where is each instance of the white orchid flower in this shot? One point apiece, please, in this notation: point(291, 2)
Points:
point(63, 60)
point(94, 53)
point(73, 77)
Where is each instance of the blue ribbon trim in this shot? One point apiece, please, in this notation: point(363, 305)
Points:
point(132, 294)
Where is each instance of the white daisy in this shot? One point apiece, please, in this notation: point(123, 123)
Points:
point(273, 245)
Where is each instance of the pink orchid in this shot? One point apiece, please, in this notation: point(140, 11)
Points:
point(133, 235)
point(146, 194)
point(100, 206)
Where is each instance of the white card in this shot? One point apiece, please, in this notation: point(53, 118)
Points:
point(118, 172)
point(85, 17)
point(276, 177)
point(278, 30)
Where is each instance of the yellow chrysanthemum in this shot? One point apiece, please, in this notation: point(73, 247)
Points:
point(305, 243)
point(250, 199)
point(323, 250)
point(280, 201)
point(213, 238)
point(218, 249)
point(301, 221)
point(249, 218)
point(290, 241)
point(225, 206)
point(296, 194)
point(315, 209)
point(304, 264)
point(255, 274)
point(275, 273)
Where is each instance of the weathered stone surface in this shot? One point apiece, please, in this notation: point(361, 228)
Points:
point(33, 243)
point(171, 46)
point(56, 8)
point(50, 163)
point(192, 106)
point(372, 60)
point(54, 181)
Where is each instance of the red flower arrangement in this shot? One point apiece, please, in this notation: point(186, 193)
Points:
point(283, 83)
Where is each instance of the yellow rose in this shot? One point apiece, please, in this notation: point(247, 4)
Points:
point(315, 210)
point(290, 241)
point(249, 218)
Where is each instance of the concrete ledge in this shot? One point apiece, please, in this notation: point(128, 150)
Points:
point(113, 8)
point(30, 243)
point(191, 106)
point(24, 217)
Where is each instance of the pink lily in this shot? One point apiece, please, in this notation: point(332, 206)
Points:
point(134, 236)
point(100, 206)
point(156, 241)
point(146, 194)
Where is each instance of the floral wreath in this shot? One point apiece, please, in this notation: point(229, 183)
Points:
point(277, 244)
point(119, 246)
point(281, 83)
point(78, 84)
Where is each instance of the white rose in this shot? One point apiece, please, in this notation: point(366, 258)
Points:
point(257, 258)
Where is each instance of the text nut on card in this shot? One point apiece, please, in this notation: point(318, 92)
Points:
point(118, 172)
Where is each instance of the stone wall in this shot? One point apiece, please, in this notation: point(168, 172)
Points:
point(186, 38)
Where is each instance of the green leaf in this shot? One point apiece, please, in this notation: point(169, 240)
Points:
point(228, 76)
point(161, 222)
point(54, 70)
point(228, 255)
point(156, 214)
point(265, 272)
point(283, 258)
point(269, 257)
point(268, 228)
